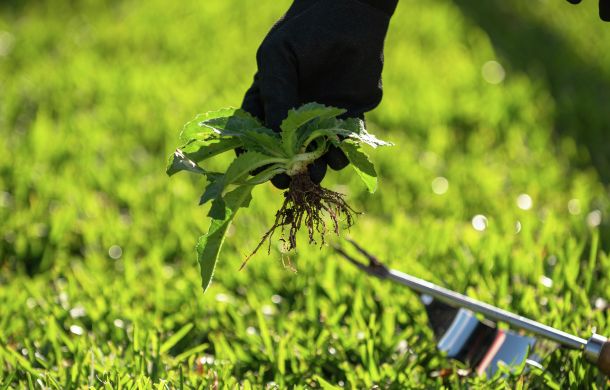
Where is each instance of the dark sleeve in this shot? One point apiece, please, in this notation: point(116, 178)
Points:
point(387, 6)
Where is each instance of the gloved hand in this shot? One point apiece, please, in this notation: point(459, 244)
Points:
point(604, 9)
point(325, 51)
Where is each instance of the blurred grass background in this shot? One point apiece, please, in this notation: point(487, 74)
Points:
point(498, 110)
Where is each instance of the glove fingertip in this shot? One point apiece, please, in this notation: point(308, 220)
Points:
point(281, 181)
point(317, 170)
point(336, 159)
point(604, 10)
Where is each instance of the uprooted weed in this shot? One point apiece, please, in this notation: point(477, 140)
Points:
point(307, 202)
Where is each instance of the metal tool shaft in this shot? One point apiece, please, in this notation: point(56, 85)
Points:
point(455, 299)
point(596, 349)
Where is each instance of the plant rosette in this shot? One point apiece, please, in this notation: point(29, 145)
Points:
point(306, 135)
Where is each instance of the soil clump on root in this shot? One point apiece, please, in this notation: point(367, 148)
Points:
point(306, 203)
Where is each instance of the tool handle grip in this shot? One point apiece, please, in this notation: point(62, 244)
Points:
point(604, 359)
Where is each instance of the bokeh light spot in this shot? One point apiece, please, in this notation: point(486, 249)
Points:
point(524, 202)
point(77, 312)
point(479, 222)
point(5, 199)
point(268, 310)
point(6, 43)
point(594, 218)
point(493, 72)
point(440, 185)
point(115, 252)
point(77, 330)
point(574, 206)
point(426, 299)
point(223, 298)
point(518, 227)
point(546, 281)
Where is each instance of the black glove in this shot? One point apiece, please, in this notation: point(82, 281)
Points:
point(325, 51)
point(604, 9)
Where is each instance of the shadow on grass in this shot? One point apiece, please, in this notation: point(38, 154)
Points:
point(581, 90)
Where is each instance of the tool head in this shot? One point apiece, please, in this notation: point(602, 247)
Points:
point(597, 351)
point(460, 334)
point(480, 344)
point(604, 359)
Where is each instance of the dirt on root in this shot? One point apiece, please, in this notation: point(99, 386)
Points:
point(307, 203)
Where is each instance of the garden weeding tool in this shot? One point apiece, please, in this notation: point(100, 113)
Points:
point(459, 326)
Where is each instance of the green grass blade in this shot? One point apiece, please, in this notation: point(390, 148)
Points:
point(188, 353)
point(175, 338)
point(8, 380)
point(18, 360)
point(265, 336)
point(324, 384)
point(590, 271)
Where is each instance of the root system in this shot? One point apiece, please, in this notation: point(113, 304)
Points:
point(307, 203)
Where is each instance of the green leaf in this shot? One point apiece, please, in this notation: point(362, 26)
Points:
point(209, 245)
point(270, 144)
point(300, 116)
point(238, 172)
point(266, 175)
point(309, 128)
point(179, 162)
point(198, 150)
point(245, 163)
point(235, 125)
point(330, 133)
point(193, 130)
point(216, 132)
point(357, 131)
point(218, 209)
point(214, 188)
point(239, 197)
point(361, 164)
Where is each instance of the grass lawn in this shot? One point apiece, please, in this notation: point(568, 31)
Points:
point(498, 110)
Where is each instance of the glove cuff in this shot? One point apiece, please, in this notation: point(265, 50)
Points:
point(604, 10)
point(386, 6)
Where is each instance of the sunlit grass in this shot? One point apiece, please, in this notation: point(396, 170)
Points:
point(484, 193)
